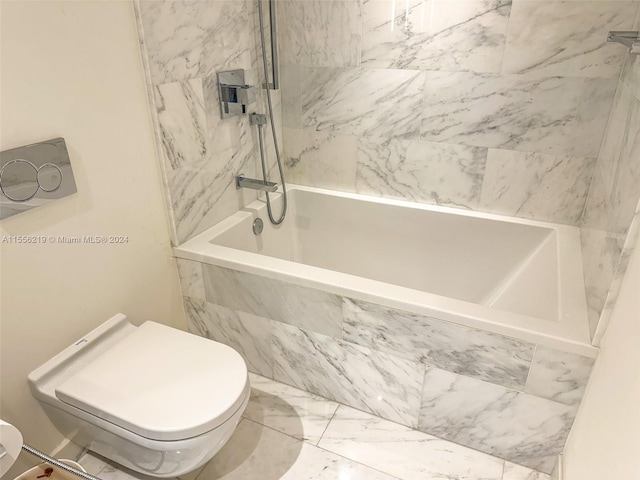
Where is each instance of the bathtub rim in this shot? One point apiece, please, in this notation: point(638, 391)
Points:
point(567, 334)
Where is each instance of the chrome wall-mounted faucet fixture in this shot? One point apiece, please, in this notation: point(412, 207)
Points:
point(255, 184)
point(235, 94)
point(630, 39)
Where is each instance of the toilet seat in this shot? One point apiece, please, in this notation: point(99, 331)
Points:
point(160, 383)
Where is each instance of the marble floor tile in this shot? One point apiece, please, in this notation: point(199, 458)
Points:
point(260, 453)
point(107, 470)
point(403, 452)
point(297, 413)
point(517, 472)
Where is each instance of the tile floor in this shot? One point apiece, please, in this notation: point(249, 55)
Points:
point(290, 434)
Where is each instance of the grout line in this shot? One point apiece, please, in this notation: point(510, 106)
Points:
point(328, 423)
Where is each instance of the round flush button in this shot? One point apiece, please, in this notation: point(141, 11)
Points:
point(19, 180)
point(49, 177)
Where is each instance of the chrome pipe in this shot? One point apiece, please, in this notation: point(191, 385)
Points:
point(274, 46)
point(57, 463)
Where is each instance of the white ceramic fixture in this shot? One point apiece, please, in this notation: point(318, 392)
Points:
point(152, 398)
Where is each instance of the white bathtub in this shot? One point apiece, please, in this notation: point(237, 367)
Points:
point(509, 276)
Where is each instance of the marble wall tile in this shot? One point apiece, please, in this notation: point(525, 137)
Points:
point(297, 413)
point(320, 159)
point(420, 171)
point(474, 353)
point(416, 34)
point(518, 112)
point(518, 472)
point(291, 101)
point(203, 193)
point(592, 115)
point(189, 39)
point(256, 452)
point(269, 298)
point(333, 33)
point(248, 334)
point(566, 38)
point(404, 452)
point(600, 257)
point(558, 376)
point(383, 384)
point(518, 427)
point(191, 281)
point(291, 41)
point(535, 185)
point(182, 121)
point(631, 73)
point(364, 102)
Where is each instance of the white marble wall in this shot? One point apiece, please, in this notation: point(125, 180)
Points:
point(493, 393)
point(185, 44)
point(492, 105)
point(612, 217)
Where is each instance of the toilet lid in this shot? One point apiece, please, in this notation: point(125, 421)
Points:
point(161, 383)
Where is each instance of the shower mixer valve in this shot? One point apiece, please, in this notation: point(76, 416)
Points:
point(235, 94)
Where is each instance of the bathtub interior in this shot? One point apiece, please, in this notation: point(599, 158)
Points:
point(510, 266)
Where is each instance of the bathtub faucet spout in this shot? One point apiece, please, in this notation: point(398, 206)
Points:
point(254, 184)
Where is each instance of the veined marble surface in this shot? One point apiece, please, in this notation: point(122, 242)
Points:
point(186, 39)
point(305, 307)
point(521, 428)
point(297, 413)
point(519, 112)
point(573, 38)
point(191, 281)
point(404, 452)
point(356, 101)
point(355, 445)
point(386, 385)
point(320, 159)
point(321, 33)
point(416, 34)
point(466, 351)
point(535, 185)
point(182, 121)
point(248, 334)
point(558, 376)
point(420, 171)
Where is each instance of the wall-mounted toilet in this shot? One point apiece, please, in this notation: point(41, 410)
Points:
point(152, 398)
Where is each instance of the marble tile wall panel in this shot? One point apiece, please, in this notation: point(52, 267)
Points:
point(189, 39)
point(518, 427)
point(517, 112)
point(404, 452)
point(558, 376)
point(182, 121)
point(364, 102)
point(305, 307)
point(424, 172)
point(591, 116)
point(466, 351)
point(600, 257)
point(535, 185)
point(191, 281)
point(291, 101)
point(248, 334)
point(297, 413)
point(456, 36)
point(333, 33)
point(320, 159)
point(383, 384)
point(553, 38)
point(631, 73)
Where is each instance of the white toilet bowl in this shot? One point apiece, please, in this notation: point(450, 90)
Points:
point(152, 398)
